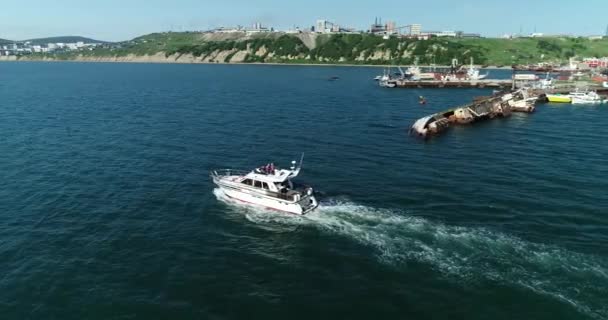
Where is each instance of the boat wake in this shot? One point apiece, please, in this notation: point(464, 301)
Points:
point(463, 254)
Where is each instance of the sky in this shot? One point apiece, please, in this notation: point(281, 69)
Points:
point(117, 20)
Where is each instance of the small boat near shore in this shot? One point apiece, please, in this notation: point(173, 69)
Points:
point(267, 187)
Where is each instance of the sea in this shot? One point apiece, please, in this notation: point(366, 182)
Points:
point(107, 210)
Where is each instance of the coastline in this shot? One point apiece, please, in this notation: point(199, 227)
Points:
point(160, 58)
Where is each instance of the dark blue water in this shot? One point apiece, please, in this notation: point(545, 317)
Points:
point(107, 210)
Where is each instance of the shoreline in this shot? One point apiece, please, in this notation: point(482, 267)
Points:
point(169, 60)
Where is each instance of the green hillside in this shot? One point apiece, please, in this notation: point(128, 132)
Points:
point(350, 49)
point(531, 50)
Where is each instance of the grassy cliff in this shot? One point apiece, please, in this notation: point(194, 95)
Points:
point(347, 49)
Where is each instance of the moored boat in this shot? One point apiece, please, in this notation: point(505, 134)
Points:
point(590, 97)
point(267, 187)
point(559, 98)
point(387, 83)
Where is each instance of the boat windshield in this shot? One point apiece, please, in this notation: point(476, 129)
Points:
point(283, 186)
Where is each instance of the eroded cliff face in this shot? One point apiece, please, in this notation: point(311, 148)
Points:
point(272, 48)
point(218, 56)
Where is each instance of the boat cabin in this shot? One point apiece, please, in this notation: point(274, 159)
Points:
point(276, 180)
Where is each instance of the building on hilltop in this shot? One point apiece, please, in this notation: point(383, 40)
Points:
point(415, 29)
point(323, 26)
point(377, 27)
point(601, 63)
point(257, 27)
point(391, 28)
point(447, 34)
point(295, 30)
point(469, 35)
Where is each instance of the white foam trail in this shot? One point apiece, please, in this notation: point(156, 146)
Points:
point(462, 253)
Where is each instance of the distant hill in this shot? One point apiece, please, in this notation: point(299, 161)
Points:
point(5, 41)
point(64, 39)
point(240, 47)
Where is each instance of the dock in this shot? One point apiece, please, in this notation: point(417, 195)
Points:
point(486, 83)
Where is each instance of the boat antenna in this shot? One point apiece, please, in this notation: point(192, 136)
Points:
point(301, 160)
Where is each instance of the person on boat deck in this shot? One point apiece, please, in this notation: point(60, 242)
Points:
point(269, 168)
point(263, 169)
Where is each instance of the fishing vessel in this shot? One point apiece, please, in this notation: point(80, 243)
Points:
point(590, 97)
point(268, 187)
point(386, 75)
point(474, 74)
point(559, 98)
point(387, 83)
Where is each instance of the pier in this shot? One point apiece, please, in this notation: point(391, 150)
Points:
point(486, 83)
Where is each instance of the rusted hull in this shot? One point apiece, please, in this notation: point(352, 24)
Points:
point(499, 106)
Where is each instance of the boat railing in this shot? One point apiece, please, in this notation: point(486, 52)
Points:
point(228, 172)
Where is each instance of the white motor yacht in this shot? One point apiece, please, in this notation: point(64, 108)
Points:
point(267, 187)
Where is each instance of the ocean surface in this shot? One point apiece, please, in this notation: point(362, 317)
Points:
point(107, 210)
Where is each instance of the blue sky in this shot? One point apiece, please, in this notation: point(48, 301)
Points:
point(124, 19)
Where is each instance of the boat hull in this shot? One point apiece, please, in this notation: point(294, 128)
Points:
point(559, 98)
point(586, 101)
point(301, 207)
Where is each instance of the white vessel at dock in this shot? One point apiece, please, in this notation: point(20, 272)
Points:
point(267, 187)
point(387, 83)
point(590, 97)
point(385, 75)
point(474, 74)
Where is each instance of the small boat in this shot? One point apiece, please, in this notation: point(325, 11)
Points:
point(334, 78)
point(473, 73)
point(561, 98)
point(268, 187)
point(386, 75)
point(590, 97)
point(578, 74)
point(388, 83)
